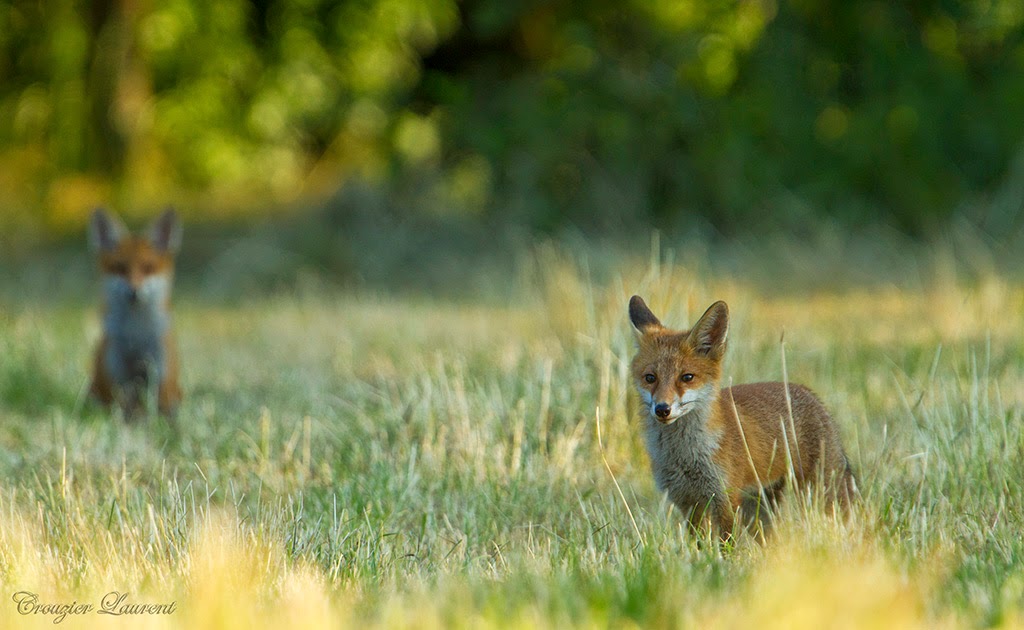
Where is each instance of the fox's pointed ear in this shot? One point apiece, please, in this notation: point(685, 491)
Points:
point(708, 335)
point(640, 316)
point(105, 230)
point(165, 232)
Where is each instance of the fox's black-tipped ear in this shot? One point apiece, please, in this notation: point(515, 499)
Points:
point(708, 335)
point(641, 316)
point(105, 230)
point(165, 232)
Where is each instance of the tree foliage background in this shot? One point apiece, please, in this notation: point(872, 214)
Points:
point(757, 114)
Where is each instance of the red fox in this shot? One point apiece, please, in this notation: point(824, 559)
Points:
point(136, 353)
point(713, 448)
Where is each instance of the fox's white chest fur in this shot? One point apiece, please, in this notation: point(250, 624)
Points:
point(135, 330)
point(681, 458)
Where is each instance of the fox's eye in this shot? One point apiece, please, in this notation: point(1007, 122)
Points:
point(650, 378)
point(119, 269)
point(686, 378)
point(148, 268)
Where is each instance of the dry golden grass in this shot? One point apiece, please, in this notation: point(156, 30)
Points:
point(375, 461)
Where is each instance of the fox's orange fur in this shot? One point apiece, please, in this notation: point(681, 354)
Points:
point(137, 352)
point(711, 448)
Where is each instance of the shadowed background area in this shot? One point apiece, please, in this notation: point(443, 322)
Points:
point(717, 116)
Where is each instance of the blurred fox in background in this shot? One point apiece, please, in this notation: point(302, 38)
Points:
point(136, 357)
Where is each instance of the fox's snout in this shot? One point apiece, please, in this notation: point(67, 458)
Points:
point(668, 404)
point(667, 412)
point(133, 289)
point(139, 288)
point(142, 292)
point(123, 291)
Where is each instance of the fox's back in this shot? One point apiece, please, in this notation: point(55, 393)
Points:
point(769, 414)
point(767, 402)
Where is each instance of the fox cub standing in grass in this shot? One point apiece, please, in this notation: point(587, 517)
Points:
point(136, 353)
point(710, 448)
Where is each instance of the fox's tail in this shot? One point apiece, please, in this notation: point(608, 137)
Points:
point(847, 489)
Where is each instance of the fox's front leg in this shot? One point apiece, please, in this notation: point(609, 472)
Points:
point(700, 519)
point(101, 388)
point(168, 399)
point(169, 392)
point(716, 512)
point(130, 399)
point(728, 509)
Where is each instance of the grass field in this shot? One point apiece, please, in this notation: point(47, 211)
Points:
point(368, 458)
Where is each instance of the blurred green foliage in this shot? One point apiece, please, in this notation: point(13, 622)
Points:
point(754, 114)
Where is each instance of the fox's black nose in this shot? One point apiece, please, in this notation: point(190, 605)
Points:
point(133, 295)
point(662, 410)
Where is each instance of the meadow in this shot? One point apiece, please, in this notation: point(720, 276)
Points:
point(375, 458)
